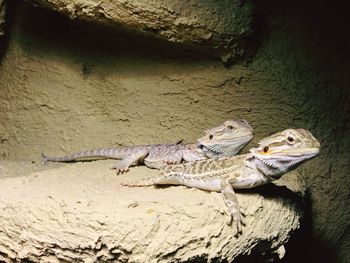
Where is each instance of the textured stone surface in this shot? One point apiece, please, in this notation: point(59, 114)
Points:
point(80, 213)
point(217, 28)
point(66, 86)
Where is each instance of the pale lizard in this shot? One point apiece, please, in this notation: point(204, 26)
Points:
point(274, 156)
point(223, 141)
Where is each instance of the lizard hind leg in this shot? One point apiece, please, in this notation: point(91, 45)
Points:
point(133, 158)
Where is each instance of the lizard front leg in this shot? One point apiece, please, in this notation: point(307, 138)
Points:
point(134, 157)
point(232, 204)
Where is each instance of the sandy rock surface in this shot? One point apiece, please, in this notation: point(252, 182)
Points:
point(217, 28)
point(79, 212)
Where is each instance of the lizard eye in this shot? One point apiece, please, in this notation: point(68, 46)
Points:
point(230, 127)
point(290, 139)
point(266, 149)
point(211, 137)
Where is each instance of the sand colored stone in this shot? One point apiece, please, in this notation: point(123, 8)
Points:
point(79, 212)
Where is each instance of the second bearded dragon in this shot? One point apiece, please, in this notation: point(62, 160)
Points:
point(223, 141)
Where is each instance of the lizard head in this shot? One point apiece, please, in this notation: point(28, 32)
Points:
point(227, 139)
point(284, 151)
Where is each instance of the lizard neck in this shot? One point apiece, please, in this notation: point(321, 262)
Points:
point(243, 172)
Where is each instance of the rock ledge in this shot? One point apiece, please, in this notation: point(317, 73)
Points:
point(78, 212)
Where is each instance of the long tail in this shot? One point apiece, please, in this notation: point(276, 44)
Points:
point(114, 153)
point(140, 183)
point(158, 180)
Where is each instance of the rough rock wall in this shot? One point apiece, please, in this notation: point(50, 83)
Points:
point(64, 90)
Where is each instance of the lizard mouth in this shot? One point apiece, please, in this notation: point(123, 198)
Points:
point(213, 149)
point(225, 147)
point(285, 164)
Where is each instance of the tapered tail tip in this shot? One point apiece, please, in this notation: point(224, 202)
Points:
point(136, 184)
point(130, 184)
point(45, 157)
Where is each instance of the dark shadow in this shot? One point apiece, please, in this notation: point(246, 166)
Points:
point(272, 191)
point(9, 18)
point(304, 247)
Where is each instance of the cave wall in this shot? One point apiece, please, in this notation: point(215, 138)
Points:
point(68, 85)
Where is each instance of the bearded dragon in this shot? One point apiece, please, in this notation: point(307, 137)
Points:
point(274, 156)
point(223, 141)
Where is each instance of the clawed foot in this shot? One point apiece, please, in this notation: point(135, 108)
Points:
point(169, 162)
point(236, 219)
point(120, 168)
point(173, 160)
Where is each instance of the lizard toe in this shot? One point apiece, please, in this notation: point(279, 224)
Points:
point(120, 168)
point(237, 221)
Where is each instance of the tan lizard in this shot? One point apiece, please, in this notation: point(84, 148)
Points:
point(274, 156)
point(223, 141)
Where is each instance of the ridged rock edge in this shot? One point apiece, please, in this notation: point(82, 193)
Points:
point(79, 212)
point(214, 28)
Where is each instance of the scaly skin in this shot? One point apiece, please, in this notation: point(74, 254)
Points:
point(222, 141)
point(274, 156)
